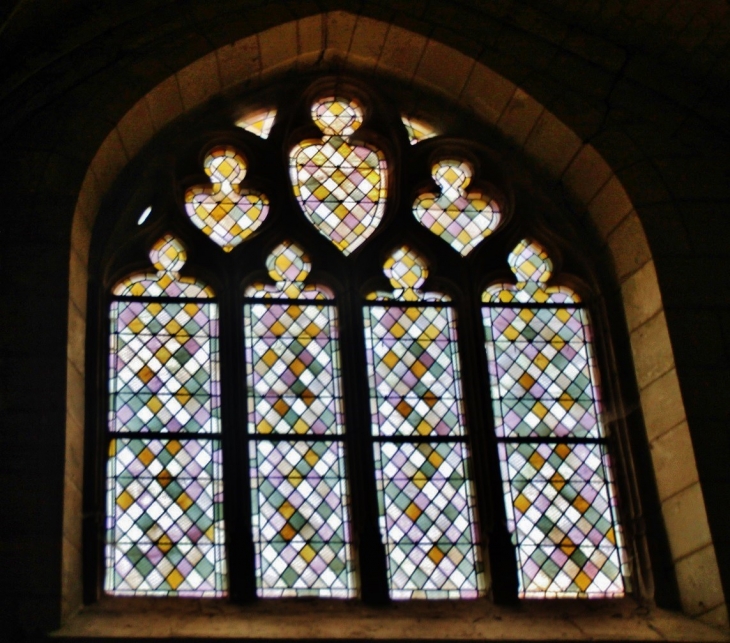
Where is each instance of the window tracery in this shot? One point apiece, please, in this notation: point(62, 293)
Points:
point(296, 336)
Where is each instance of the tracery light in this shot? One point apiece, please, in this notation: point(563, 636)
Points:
point(225, 211)
point(417, 130)
point(558, 490)
point(258, 122)
point(165, 531)
point(462, 219)
point(340, 186)
point(422, 467)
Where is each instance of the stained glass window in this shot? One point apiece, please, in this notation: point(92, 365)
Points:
point(164, 511)
point(223, 210)
point(422, 464)
point(341, 186)
point(558, 491)
point(301, 522)
point(462, 219)
point(417, 130)
point(351, 471)
point(258, 122)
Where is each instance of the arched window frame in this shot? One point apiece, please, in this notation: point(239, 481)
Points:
point(431, 247)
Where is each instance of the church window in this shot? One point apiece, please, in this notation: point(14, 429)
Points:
point(316, 336)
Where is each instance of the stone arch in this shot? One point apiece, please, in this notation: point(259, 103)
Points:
point(365, 43)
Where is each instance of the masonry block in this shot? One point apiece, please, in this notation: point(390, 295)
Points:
point(75, 385)
point(661, 402)
point(641, 296)
point(199, 81)
point(553, 144)
point(310, 35)
point(278, 46)
point(165, 102)
point(109, 161)
point(519, 117)
point(699, 582)
point(686, 520)
point(338, 29)
point(367, 41)
point(652, 350)
point(71, 579)
point(609, 207)
point(628, 246)
point(444, 68)
point(401, 53)
point(136, 128)
point(76, 346)
point(487, 93)
point(586, 174)
point(77, 278)
point(674, 463)
point(87, 207)
point(239, 62)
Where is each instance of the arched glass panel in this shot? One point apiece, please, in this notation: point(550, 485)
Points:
point(164, 512)
point(422, 464)
point(301, 514)
point(556, 472)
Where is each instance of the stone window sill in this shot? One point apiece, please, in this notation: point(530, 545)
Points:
point(312, 620)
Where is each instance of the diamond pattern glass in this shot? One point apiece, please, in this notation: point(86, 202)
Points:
point(414, 371)
point(340, 187)
point(301, 506)
point(462, 219)
point(294, 373)
point(427, 517)
point(168, 256)
point(164, 497)
point(544, 380)
point(164, 518)
point(259, 122)
point(225, 211)
point(301, 523)
point(164, 374)
point(417, 130)
point(559, 498)
point(562, 515)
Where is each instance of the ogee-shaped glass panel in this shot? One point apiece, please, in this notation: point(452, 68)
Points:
point(225, 211)
point(340, 186)
point(462, 219)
